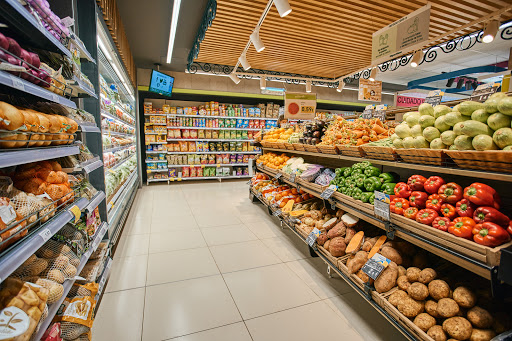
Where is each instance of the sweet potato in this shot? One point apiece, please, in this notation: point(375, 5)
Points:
point(387, 279)
point(355, 263)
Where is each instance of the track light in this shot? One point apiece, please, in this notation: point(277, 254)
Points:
point(308, 86)
point(263, 83)
point(468, 85)
point(341, 84)
point(373, 74)
point(417, 58)
point(490, 30)
point(449, 83)
point(283, 7)
point(256, 41)
point(244, 62)
point(474, 85)
point(234, 78)
point(460, 83)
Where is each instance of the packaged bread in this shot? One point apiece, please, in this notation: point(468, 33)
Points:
point(10, 117)
point(21, 307)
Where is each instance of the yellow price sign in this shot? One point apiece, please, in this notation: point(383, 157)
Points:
point(179, 179)
point(202, 166)
point(172, 179)
point(76, 212)
point(307, 109)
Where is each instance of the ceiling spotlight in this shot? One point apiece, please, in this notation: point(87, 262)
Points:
point(283, 7)
point(244, 62)
point(460, 83)
point(341, 84)
point(468, 85)
point(417, 58)
point(373, 74)
point(450, 81)
point(234, 78)
point(308, 86)
point(490, 30)
point(256, 41)
point(263, 83)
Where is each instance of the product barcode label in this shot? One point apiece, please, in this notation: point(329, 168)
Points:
point(292, 177)
point(375, 265)
point(17, 83)
point(327, 193)
point(46, 234)
point(312, 237)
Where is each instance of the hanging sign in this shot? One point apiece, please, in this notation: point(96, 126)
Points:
point(434, 97)
point(299, 105)
point(483, 91)
point(368, 111)
point(369, 90)
point(380, 112)
point(407, 101)
point(406, 34)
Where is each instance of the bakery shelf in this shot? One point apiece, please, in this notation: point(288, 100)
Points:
point(95, 201)
point(106, 114)
point(255, 152)
point(89, 127)
point(25, 86)
point(118, 148)
point(21, 156)
point(211, 165)
point(16, 255)
point(87, 166)
point(217, 128)
point(208, 140)
point(82, 87)
point(237, 117)
point(19, 17)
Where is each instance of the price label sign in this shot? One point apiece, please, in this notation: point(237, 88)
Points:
point(434, 97)
point(17, 83)
point(76, 212)
point(375, 265)
point(380, 112)
point(368, 111)
point(381, 205)
point(278, 176)
point(292, 177)
point(55, 98)
point(276, 213)
point(327, 193)
point(312, 237)
point(484, 91)
point(46, 234)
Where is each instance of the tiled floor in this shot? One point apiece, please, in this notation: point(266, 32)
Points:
point(200, 262)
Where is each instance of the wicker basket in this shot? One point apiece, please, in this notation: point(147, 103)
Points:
point(424, 156)
point(327, 149)
point(299, 146)
point(355, 151)
point(311, 148)
point(380, 152)
point(265, 143)
point(491, 160)
point(289, 146)
point(279, 145)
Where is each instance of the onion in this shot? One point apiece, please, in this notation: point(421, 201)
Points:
point(3, 56)
point(46, 78)
point(36, 62)
point(12, 60)
point(14, 47)
point(26, 57)
point(36, 74)
point(4, 43)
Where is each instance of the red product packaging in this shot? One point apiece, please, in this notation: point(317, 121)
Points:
point(52, 333)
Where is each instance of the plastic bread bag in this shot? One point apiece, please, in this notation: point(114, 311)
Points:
point(21, 307)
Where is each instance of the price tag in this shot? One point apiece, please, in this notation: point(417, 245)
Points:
point(292, 177)
point(76, 212)
point(276, 213)
point(380, 112)
point(484, 91)
point(17, 83)
point(179, 179)
point(311, 239)
point(202, 166)
point(368, 111)
point(46, 234)
point(434, 97)
point(55, 98)
point(278, 176)
point(381, 205)
point(375, 265)
point(327, 193)
point(218, 166)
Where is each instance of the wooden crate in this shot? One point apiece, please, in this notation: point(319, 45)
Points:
point(328, 149)
point(289, 146)
point(311, 186)
point(365, 207)
point(354, 151)
point(380, 153)
point(491, 160)
point(298, 146)
point(279, 145)
point(311, 148)
point(436, 157)
point(265, 143)
point(331, 258)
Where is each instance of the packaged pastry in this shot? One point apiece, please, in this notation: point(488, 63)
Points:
point(183, 146)
point(191, 146)
point(186, 172)
point(214, 134)
point(193, 172)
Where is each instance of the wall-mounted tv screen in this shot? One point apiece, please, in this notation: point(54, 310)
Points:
point(161, 83)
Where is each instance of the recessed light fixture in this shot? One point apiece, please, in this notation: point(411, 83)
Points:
point(256, 40)
point(244, 62)
point(308, 86)
point(341, 85)
point(263, 83)
point(234, 78)
point(417, 58)
point(283, 7)
point(373, 74)
point(174, 25)
point(490, 30)
point(104, 49)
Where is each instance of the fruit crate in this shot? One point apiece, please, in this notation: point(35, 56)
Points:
point(311, 148)
point(491, 160)
point(354, 151)
point(436, 157)
point(380, 153)
point(298, 146)
point(328, 149)
point(289, 146)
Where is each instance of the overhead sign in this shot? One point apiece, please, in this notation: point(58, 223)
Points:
point(369, 90)
point(407, 101)
point(299, 105)
point(406, 34)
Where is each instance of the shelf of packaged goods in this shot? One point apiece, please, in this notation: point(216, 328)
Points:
point(116, 133)
point(124, 110)
point(21, 156)
point(22, 85)
point(420, 167)
point(120, 191)
point(95, 201)
point(84, 54)
point(156, 152)
point(217, 128)
point(115, 149)
point(89, 127)
point(211, 177)
point(237, 117)
point(211, 165)
point(16, 255)
point(208, 140)
point(117, 119)
point(155, 124)
point(155, 161)
point(33, 32)
point(83, 87)
point(118, 163)
point(156, 170)
point(471, 256)
point(158, 180)
point(104, 277)
point(150, 133)
point(52, 309)
point(155, 114)
point(87, 166)
point(179, 153)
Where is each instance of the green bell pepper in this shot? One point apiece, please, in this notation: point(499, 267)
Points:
point(340, 182)
point(348, 191)
point(357, 171)
point(372, 184)
point(371, 171)
point(372, 199)
point(360, 181)
point(365, 197)
point(388, 188)
point(389, 177)
point(357, 193)
point(339, 171)
point(342, 189)
point(347, 172)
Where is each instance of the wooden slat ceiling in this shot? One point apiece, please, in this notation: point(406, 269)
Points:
point(325, 38)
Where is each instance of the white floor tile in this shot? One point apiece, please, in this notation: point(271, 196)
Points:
point(241, 256)
point(287, 248)
point(227, 234)
point(264, 229)
point(176, 240)
point(181, 308)
point(128, 273)
point(165, 224)
point(231, 332)
point(134, 245)
point(137, 226)
point(216, 219)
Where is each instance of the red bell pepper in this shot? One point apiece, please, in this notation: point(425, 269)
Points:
point(462, 227)
point(484, 214)
point(418, 199)
point(490, 234)
point(398, 205)
point(411, 213)
point(434, 202)
point(465, 208)
point(416, 182)
point(433, 183)
point(441, 223)
point(482, 195)
point(426, 216)
point(448, 211)
point(450, 193)
point(402, 190)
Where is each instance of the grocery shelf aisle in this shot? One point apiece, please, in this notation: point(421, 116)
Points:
point(201, 262)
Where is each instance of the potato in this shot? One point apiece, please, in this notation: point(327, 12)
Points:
point(364, 277)
point(402, 282)
point(424, 321)
point(401, 271)
point(482, 335)
point(395, 297)
point(458, 328)
point(438, 289)
point(322, 238)
point(387, 279)
point(355, 263)
point(464, 297)
point(447, 307)
point(413, 274)
point(326, 244)
point(410, 308)
point(391, 254)
point(427, 275)
point(337, 246)
point(431, 308)
point(480, 318)
point(418, 291)
point(437, 333)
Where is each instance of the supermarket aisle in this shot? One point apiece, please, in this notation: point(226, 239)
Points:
point(201, 262)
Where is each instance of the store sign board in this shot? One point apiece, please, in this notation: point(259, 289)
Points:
point(299, 105)
point(483, 91)
point(406, 101)
point(406, 34)
point(369, 90)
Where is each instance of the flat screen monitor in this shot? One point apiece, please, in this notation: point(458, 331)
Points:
point(161, 83)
